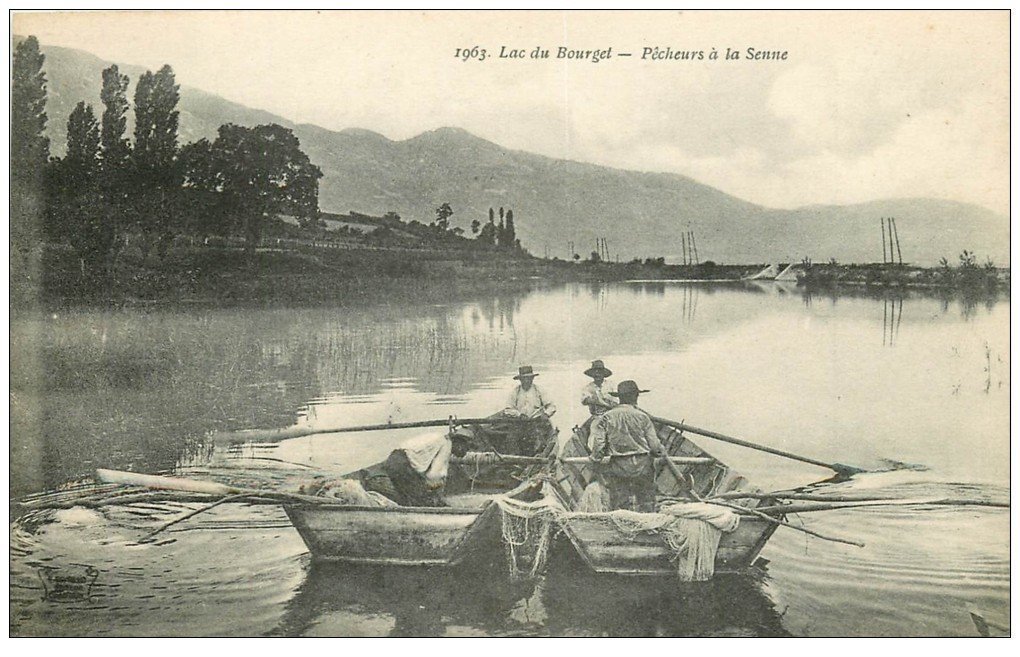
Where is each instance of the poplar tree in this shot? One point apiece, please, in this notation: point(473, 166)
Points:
point(30, 148)
point(116, 151)
point(29, 152)
point(154, 158)
point(78, 209)
point(510, 236)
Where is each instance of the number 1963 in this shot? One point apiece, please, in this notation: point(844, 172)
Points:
point(464, 54)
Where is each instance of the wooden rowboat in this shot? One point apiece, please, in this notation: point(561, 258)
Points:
point(605, 549)
point(469, 529)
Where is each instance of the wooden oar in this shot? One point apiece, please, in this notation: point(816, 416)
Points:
point(839, 468)
point(276, 435)
point(159, 482)
point(514, 459)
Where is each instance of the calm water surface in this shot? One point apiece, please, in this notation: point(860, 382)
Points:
point(914, 387)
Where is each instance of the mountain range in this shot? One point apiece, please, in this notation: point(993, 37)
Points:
point(556, 202)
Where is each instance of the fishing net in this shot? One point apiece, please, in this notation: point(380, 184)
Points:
point(594, 499)
point(691, 531)
point(527, 532)
point(346, 491)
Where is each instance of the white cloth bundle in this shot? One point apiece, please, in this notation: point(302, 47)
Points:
point(429, 455)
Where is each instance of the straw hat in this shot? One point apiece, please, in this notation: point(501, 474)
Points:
point(525, 372)
point(627, 387)
point(598, 368)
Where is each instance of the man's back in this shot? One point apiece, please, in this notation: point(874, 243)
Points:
point(623, 431)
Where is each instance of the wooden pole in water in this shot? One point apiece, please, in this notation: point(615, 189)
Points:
point(884, 259)
point(683, 245)
point(896, 231)
point(697, 260)
point(888, 227)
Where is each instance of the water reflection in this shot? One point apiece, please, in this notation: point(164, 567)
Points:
point(690, 303)
point(892, 314)
point(138, 389)
point(346, 600)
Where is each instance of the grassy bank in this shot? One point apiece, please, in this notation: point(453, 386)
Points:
point(308, 274)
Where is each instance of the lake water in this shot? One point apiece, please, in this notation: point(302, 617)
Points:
point(913, 387)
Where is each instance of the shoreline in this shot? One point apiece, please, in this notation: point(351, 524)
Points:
point(307, 276)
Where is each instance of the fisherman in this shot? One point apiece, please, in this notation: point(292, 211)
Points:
point(414, 474)
point(626, 437)
point(593, 396)
point(528, 401)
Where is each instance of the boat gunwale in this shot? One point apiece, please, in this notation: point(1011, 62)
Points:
point(428, 510)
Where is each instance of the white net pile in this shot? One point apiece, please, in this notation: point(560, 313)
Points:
point(528, 532)
point(692, 537)
point(346, 491)
point(691, 531)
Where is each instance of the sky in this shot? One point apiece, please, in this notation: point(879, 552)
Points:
point(865, 106)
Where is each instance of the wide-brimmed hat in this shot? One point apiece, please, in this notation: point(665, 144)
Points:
point(598, 368)
point(462, 431)
point(525, 371)
point(627, 387)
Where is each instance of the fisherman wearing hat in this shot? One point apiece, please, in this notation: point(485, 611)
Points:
point(414, 474)
point(593, 396)
point(528, 401)
point(624, 444)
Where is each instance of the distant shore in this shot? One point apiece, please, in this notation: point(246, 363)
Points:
point(309, 275)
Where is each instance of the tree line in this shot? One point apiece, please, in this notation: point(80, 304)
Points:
point(107, 188)
point(503, 234)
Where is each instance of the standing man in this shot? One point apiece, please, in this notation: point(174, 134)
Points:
point(626, 437)
point(593, 396)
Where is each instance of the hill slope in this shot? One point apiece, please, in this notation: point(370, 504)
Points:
point(559, 201)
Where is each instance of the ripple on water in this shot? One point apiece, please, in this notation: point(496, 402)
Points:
point(219, 587)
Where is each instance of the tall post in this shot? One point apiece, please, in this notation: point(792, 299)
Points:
point(694, 246)
point(884, 260)
point(683, 244)
point(888, 227)
point(896, 232)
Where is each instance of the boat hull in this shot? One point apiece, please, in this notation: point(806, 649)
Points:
point(604, 549)
point(394, 536)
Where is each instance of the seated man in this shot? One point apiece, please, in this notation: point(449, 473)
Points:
point(624, 445)
point(527, 401)
point(414, 474)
